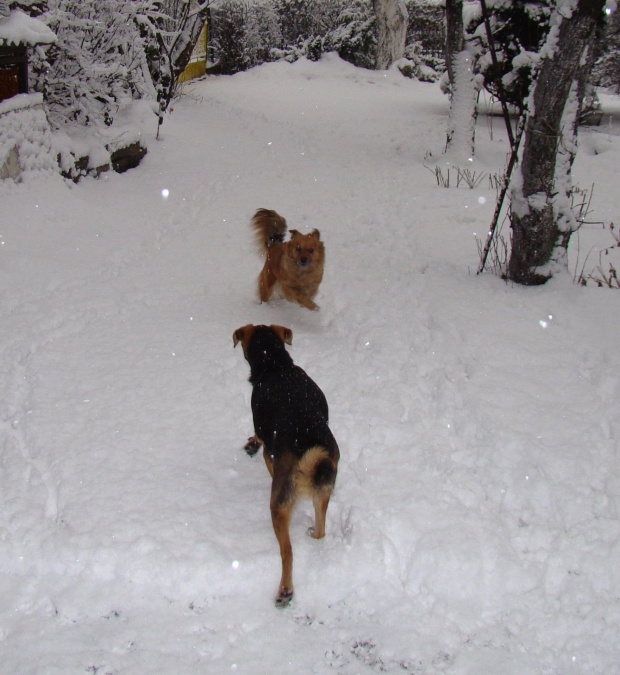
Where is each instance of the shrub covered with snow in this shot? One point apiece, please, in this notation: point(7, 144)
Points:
point(96, 64)
point(519, 30)
point(246, 34)
point(26, 146)
point(352, 36)
point(607, 68)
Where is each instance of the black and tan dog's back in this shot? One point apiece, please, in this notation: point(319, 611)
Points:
point(291, 423)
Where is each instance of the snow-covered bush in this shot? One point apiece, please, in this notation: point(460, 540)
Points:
point(244, 34)
point(519, 30)
point(27, 147)
point(302, 20)
point(350, 32)
point(170, 29)
point(415, 66)
point(31, 7)
point(110, 52)
point(426, 28)
point(96, 64)
point(606, 71)
point(354, 37)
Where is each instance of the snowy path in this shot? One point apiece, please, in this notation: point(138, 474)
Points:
point(475, 527)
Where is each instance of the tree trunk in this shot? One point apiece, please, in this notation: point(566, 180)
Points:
point(391, 31)
point(540, 215)
point(455, 32)
point(463, 108)
point(463, 90)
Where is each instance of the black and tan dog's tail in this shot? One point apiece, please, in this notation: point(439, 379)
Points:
point(316, 476)
point(316, 471)
point(324, 473)
point(269, 228)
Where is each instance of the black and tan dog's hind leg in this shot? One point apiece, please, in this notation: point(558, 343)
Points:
point(320, 500)
point(283, 496)
point(316, 475)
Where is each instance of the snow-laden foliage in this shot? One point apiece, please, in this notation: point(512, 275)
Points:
point(171, 29)
point(519, 30)
point(247, 33)
point(352, 36)
point(519, 33)
point(301, 20)
point(244, 34)
point(96, 64)
point(31, 7)
point(110, 52)
point(27, 150)
point(607, 68)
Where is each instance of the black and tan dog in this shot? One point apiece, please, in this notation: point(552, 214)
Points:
point(290, 421)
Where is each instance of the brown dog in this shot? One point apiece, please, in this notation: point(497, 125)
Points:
point(296, 265)
point(290, 422)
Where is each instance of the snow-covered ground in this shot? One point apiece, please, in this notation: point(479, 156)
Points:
point(475, 528)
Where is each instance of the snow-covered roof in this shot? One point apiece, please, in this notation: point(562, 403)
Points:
point(20, 29)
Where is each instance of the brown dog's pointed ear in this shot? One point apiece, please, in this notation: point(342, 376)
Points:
point(294, 233)
point(317, 234)
point(242, 335)
point(285, 334)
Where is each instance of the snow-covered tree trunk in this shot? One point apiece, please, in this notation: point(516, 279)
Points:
point(541, 219)
point(455, 32)
point(460, 60)
point(392, 19)
point(463, 107)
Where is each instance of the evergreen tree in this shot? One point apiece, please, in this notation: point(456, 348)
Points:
point(245, 33)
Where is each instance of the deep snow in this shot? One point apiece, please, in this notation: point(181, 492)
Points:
point(475, 527)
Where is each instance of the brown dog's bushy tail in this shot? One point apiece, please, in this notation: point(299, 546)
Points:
point(269, 228)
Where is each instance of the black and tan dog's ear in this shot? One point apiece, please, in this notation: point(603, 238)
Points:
point(285, 334)
point(243, 335)
point(315, 233)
